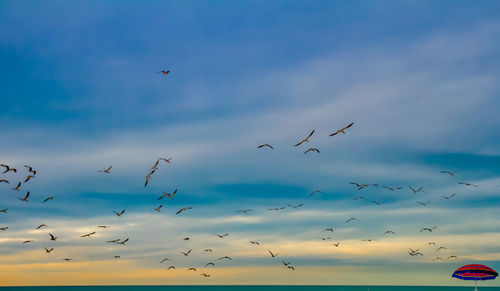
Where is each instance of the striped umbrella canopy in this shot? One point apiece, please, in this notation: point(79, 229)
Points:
point(475, 272)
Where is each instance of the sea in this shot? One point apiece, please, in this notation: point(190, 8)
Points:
point(247, 288)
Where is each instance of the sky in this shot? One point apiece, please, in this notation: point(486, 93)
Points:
point(81, 91)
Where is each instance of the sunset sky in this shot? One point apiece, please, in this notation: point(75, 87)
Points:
point(81, 90)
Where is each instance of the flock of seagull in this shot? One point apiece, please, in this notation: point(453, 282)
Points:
point(30, 174)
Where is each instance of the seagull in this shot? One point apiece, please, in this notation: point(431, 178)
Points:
point(325, 238)
point(376, 202)
point(192, 269)
point(28, 178)
point(222, 236)
point(305, 139)
point(88, 234)
point(468, 184)
point(25, 199)
point(52, 237)
point(244, 211)
point(336, 244)
point(105, 171)
point(359, 186)
point(8, 169)
point(295, 207)
point(67, 259)
point(4, 181)
point(182, 209)
point(328, 229)
point(450, 172)
point(272, 255)
point(255, 243)
point(342, 129)
point(41, 225)
point(350, 219)
point(441, 248)
point(124, 241)
point(265, 145)
point(448, 197)
point(103, 226)
point(4, 210)
point(314, 192)
point(164, 260)
point(171, 267)
point(28, 241)
point(431, 243)
point(166, 160)
point(48, 250)
point(206, 250)
point(452, 257)
point(186, 253)
point(368, 240)
point(423, 203)
point(437, 259)
point(17, 187)
point(415, 191)
point(360, 197)
point(311, 149)
point(205, 275)
point(291, 268)
point(285, 263)
point(157, 209)
point(113, 241)
point(155, 166)
point(392, 189)
point(4, 228)
point(210, 264)
point(225, 257)
point(164, 72)
point(30, 169)
point(116, 257)
point(428, 229)
point(119, 214)
point(276, 209)
point(48, 198)
point(389, 231)
point(170, 195)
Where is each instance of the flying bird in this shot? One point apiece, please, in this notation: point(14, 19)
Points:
point(376, 202)
point(448, 197)
point(314, 192)
point(4, 181)
point(244, 211)
point(291, 268)
point(25, 199)
point(312, 149)
point(28, 241)
point(166, 160)
point(207, 250)
point(48, 250)
point(336, 244)
point(428, 229)
point(8, 169)
point(328, 229)
point(171, 267)
point(124, 241)
point(452, 257)
point(210, 264)
point(450, 172)
point(415, 191)
point(4, 228)
point(342, 129)
point(186, 253)
point(164, 260)
point(4, 210)
point(205, 275)
point(170, 195)
point(67, 259)
point(116, 257)
point(350, 219)
point(192, 269)
point(164, 72)
point(28, 178)
point(103, 226)
point(52, 237)
point(255, 243)
point(17, 187)
point(157, 209)
point(183, 209)
point(41, 225)
point(225, 257)
point(265, 145)
point(468, 184)
point(105, 171)
point(305, 139)
point(30, 169)
point(296, 206)
point(88, 234)
point(48, 198)
point(423, 203)
point(389, 231)
point(392, 189)
point(441, 248)
point(273, 255)
point(222, 236)
point(119, 214)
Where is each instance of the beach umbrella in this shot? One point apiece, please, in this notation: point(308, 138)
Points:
point(475, 272)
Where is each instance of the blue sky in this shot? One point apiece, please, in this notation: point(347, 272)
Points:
point(80, 92)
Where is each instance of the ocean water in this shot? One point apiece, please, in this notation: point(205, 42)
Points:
point(249, 288)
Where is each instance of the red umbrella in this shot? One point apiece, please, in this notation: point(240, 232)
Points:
point(475, 272)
